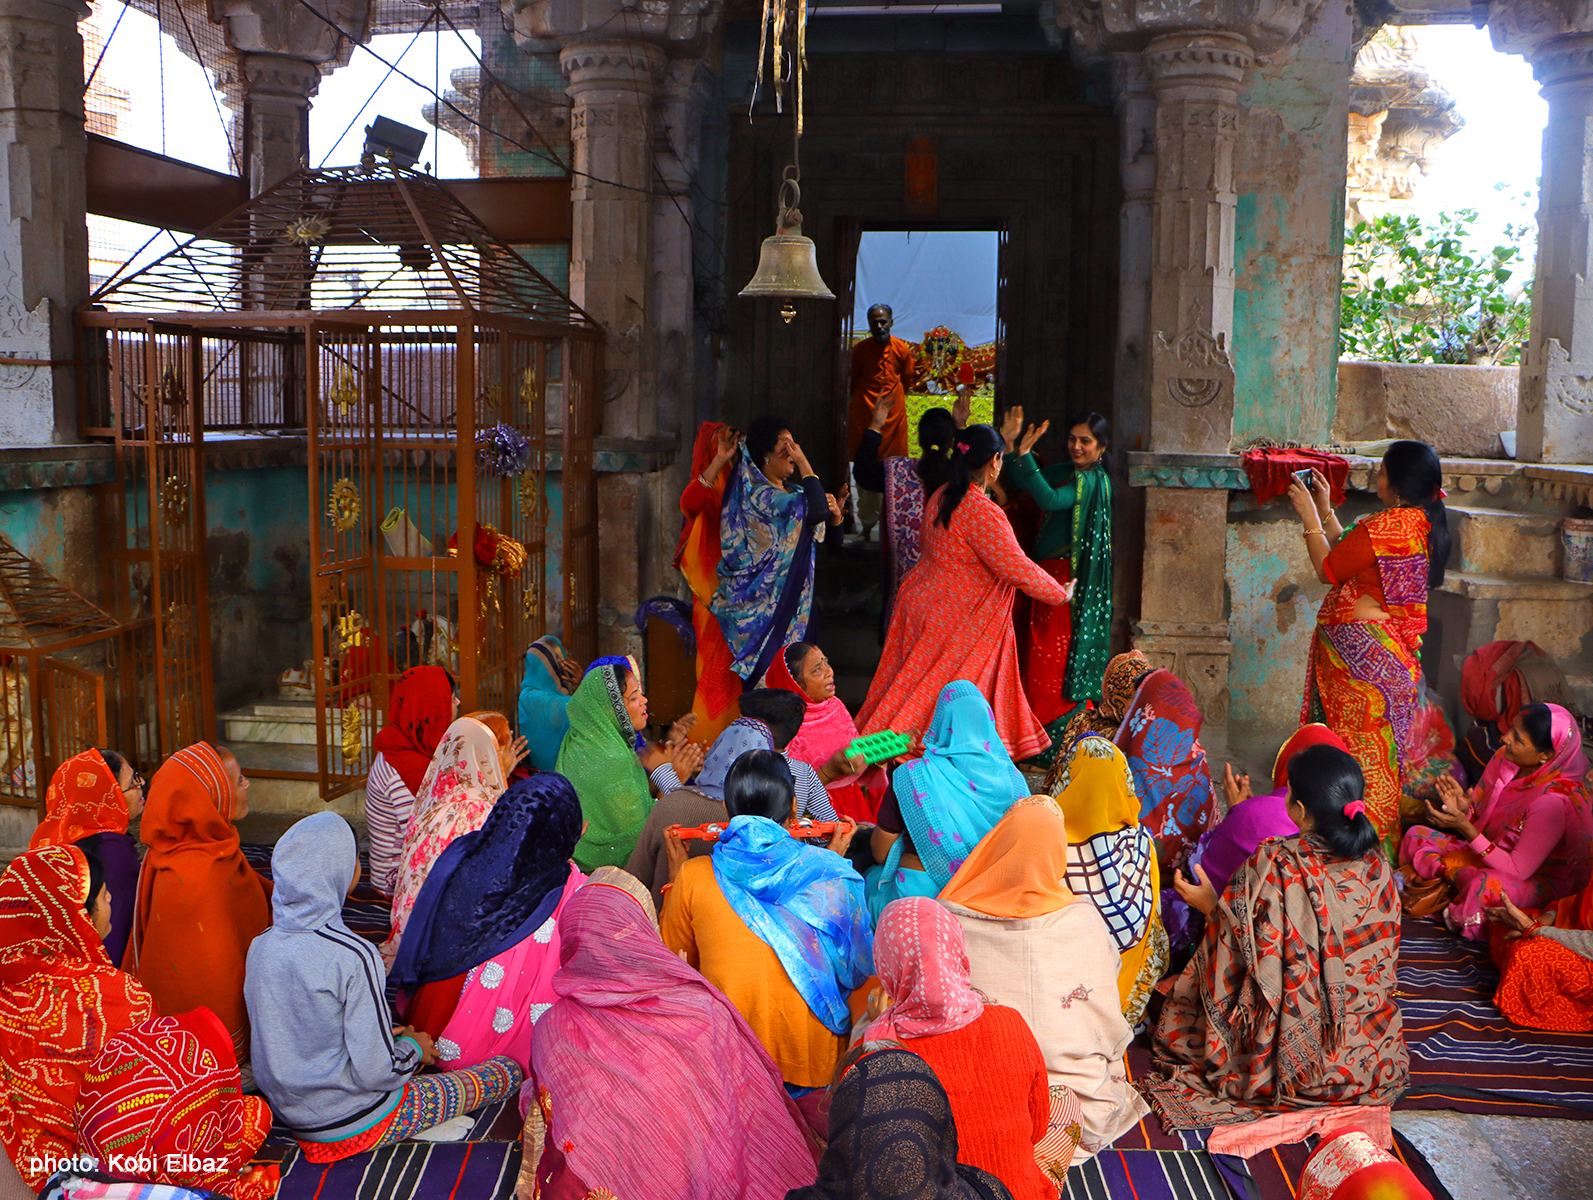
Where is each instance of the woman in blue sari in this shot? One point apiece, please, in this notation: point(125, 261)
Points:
point(549, 678)
point(767, 540)
point(940, 806)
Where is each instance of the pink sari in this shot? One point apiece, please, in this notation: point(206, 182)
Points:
point(1537, 824)
point(827, 727)
point(505, 996)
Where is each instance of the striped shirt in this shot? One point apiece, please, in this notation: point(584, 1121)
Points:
point(813, 800)
point(388, 802)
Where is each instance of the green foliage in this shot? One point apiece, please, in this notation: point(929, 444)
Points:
point(1414, 293)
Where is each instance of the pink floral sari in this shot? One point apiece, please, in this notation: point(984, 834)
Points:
point(463, 782)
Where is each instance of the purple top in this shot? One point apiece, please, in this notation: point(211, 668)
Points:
point(1222, 851)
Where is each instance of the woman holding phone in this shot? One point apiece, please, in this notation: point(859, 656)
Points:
point(1363, 678)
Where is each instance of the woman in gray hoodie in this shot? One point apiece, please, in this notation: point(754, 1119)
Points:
point(327, 1054)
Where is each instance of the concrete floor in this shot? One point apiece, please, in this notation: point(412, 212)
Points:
point(1504, 1158)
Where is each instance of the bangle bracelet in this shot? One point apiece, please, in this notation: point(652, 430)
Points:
point(1309, 532)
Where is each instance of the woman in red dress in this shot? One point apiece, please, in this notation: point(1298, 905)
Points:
point(953, 616)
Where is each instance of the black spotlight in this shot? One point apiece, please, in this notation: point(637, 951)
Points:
point(398, 144)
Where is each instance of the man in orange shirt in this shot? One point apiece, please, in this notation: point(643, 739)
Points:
point(882, 369)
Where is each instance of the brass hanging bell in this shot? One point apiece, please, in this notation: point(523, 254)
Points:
point(788, 263)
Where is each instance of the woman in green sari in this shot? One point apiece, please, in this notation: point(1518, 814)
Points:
point(1069, 643)
point(599, 755)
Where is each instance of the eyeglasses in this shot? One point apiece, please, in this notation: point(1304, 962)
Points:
point(137, 783)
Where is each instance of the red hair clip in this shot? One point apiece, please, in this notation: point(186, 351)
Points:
point(963, 446)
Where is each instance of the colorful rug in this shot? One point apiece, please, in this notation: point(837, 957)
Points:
point(409, 1171)
point(1464, 1054)
point(367, 912)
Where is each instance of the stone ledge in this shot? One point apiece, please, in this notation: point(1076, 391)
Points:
point(1150, 469)
point(85, 464)
point(1476, 586)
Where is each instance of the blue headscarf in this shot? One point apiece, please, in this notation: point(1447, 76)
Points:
point(492, 889)
point(807, 904)
point(739, 736)
point(543, 722)
point(965, 782)
point(765, 588)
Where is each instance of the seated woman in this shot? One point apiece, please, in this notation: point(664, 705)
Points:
point(1545, 963)
point(983, 1053)
point(1250, 820)
point(1160, 737)
point(54, 915)
point(166, 1094)
point(200, 903)
point(646, 1079)
point(1522, 832)
point(338, 1071)
point(91, 800)
point(941, 804)
point(1101, 717)
point(482, 942)
point(464, 781)
point(598, 756)
point(1031, 945)
point(422, 705)
point(893, 1136)
point(1112, 864)
point(550, 676)
point(1289, 1000)
point(779, 926)
point(827, 730)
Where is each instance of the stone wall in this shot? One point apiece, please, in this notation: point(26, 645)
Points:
point(1458, 410)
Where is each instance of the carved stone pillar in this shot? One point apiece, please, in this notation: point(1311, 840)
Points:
point(277, 93)
point(612, 84)
point(1555, 417)
point(43, 240)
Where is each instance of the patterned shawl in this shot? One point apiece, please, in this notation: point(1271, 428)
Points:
point(922, 962)
point(462, 784)
point(1160, 736)
point(200, 903)
point(765, 587)
point(741, 735)
point(60, 1000)
point(1399, 542)
point(83, 799)
point(540, 712)
point(417, 716)
point(1120, 681)
point(492, 888)
point(1092, 596)
point(806, 904)
point(959, 789)
point(901, 525)
point(599, 757)
point(893, 1137)
point(1019, 869)
point(167, 1090)
point(1509, 795)
point(1112, 862)
point(651, 1083)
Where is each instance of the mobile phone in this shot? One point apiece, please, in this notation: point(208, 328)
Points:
point(1305, 478)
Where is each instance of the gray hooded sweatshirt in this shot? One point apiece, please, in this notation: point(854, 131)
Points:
point(324, 1051)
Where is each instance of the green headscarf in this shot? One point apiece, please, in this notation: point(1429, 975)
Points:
point(598, 756)
point(1092, 595)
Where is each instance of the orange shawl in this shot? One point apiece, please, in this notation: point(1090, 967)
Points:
point(60, 1001)
point(697, 558)
point(1018, 869)
point(200, 903)
point(83, 799)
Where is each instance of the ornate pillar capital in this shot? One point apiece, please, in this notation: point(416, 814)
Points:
point(1265, 26)
point(680, 28)
point(603, 65)
point(1198, 64)
point(1525, 26)
point(293, 30)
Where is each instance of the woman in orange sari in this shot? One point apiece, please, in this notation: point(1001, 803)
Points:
point(1546, 963)
point(200, 903)
point(716, 703)
point(1363, 679)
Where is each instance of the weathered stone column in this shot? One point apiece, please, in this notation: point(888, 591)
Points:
point(1555, 417)
point(43, 239)
point(611, 129)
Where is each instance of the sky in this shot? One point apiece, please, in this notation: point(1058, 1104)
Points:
point(1503, 138)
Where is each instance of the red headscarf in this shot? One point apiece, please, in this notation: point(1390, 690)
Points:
point(419, 711)
point(1302, 738)
point(200, 903)
point(83, 799)
point(169, 1087)
point(60, 999)
point(923, 966)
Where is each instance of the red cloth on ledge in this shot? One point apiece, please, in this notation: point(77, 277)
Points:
point(1269, 470)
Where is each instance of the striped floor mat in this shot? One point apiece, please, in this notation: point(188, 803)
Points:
point(1464, 1054)
point(367, 912)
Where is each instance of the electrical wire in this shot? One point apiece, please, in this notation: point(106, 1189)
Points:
point(226, 128)
point(372, 96)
